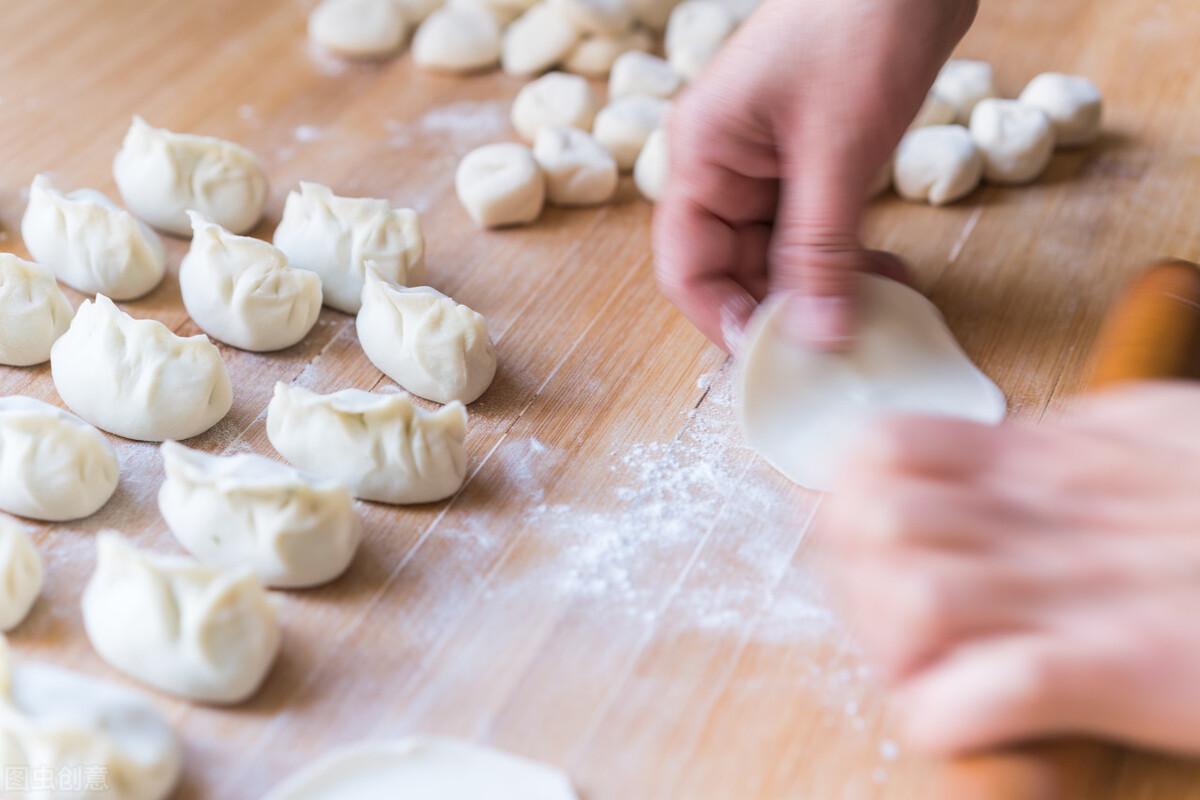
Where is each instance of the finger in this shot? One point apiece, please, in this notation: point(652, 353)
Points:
point(933, 447)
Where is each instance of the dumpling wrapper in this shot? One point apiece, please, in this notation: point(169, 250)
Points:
point(800, 408)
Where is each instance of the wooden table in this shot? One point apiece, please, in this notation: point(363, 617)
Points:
point(621, 589)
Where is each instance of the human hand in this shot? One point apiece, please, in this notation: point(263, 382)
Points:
point(774, 151)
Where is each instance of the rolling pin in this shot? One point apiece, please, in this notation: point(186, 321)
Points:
point(1153, 332)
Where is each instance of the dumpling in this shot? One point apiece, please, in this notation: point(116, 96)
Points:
point(335, 237)
point(288, 528)
point(423, 340)
point(201, 633)
point(162, 175)
point(382, 446)
point(53, 465)
point(33, 312)
point(20, 574)
point(135, 378)
point(110, 741)
point(90, 243)
point(241, 290)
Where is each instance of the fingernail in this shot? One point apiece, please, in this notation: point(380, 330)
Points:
point(734, 316)
point(822, 322)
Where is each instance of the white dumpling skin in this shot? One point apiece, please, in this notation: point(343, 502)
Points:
point(20, 574)
point(383, 447)
point(135, 378)
point(203, 634)
point(54, 467)
point(33, 312)
point(291, 530)
point(90, 244)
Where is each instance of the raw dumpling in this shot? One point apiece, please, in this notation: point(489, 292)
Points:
point(162, 175)
point(194, 631)
point(800, 408)
point(537, 40)
point(33, 312)
point(241, 291)
point(500, 184)
point(358, 28)
point(461, 37)
point(382, 446)
point(20, 574)
point(335, 237)
point(430, 345)
point(594, 56)
point(425, 768)
point(578, 170)
point(554, 100)
point(53, 465)
point(62, 723)
point(1073, 104)
point(624, 125)
point(1015, 139)
point(643, 73)
point(90, 243)
point(135, 378)
point(938, 164)
point(289, 529)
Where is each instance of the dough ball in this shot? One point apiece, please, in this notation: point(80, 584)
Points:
point(554, 100)
point(963, 83)
point(938, 164)
point(416, 11)
point(1016, 140)
point(936, 110)
point(594, 56)
point(597, 16)
point(537, 40)
point(653, 14)
point(20, 574)
point(505, 11)
point(643, 73)
point(695, 33)
point(501, 184)
point(578, 170)
point(1073, 104)
point(624, 125)
point(358, 28)
point(461, 37)
point(651, 170)
point(740, 10)
point(33, 312)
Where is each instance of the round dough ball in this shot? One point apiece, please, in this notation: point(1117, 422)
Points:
point(938, 164)
point(594, 56)
point(462, 37)
point(579, 172)
point(624, 125)
point(358, 28)
point(1016, 140)
point(963, 83)
point(501, 184)
point(1073, 104)
point(936, 110)
point(654, 14)
point(695, 33)
point(555, 100)
point(643, 73)
point(537, 40)
point(597, 16)
point(651, 170)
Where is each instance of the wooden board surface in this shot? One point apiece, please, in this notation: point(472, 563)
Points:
point(621, 589)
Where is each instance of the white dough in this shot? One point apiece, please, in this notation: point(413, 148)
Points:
point(336, 237)
point(241, 291)
point(460, 37)
point(53, 465)
point(936, 110)
point(135, 378)
point(695, 33)
point(624, 125)
point(61, 723)
point(643, 73)
point(938, 164)
point(1016, 140)
point(801, 409)
point(424, 768)
point(654, 14)
point(416, 11)
point(20, 574)
point(382, 446)
point(653, 167)
point(537, 40)
point(740, 10)
point(1073, 104)
point(170, 622)
point(579, 172)
point(289, 529)
point(554, 100)
point(33, 312)
point(594, 56)
point(963, 83)
point(90, 244)
point(358, 28)
point(426, 342)
point(609, 17)
point(501, 184)
point(162, 175)
point(505, 11)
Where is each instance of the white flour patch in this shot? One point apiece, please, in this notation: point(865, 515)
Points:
point(307, 133)
point(465, 123)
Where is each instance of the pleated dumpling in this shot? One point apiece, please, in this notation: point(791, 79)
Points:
point(53, 465)
point(382, 446)
point(162, 175)
point(241, 291)
point(431, 345)
point(180, 626)
point(290, 529)
point(20, 574)
point(90, 244)
point(33, 312)
point(137, 379)
point(335, 237)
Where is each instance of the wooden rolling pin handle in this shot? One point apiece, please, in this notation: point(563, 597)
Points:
point(1152, 333)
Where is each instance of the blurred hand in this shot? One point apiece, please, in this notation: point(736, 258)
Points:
point(774, 152)
point(1031, 580)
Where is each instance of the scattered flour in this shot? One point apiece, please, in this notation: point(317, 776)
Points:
point(308, 133)
point(465, 122)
